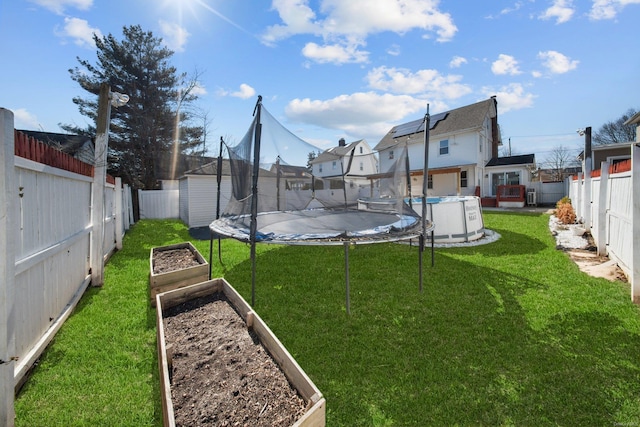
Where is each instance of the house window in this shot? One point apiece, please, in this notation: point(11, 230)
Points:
point(430, 182)
point(333, 165)
point(320, 168)
point(361, 166)
point(444, 147)
point(506, 178)
point(391, 155)
point(463, 179)
point(360, 150)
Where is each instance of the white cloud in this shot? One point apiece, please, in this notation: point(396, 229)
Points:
point(457, 61)
point(199, 90)
point(245, 92)
point(427, 83)
point(561, 11)
point(335, 53)
point(608, 9)
point(556, 62)
point(25, 120)
point(394, 50)
point(58, 6)
point(349, 23)
point(359, 114)
point(80, 31)
point(173, 35)
point(511, 97)
point(505, 64)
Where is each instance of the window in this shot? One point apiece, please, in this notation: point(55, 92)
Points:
point(360, 150)
point(504, 178)
point(463, 179)
point(430, 182)
point(444, 147)
point(361, 166)
point(333, 166)
point(391, 155)
point(320, 168)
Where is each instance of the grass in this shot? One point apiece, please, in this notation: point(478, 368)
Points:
point(509, 333)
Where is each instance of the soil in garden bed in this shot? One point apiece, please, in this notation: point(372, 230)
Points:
point(222, 375)
point(173, 259)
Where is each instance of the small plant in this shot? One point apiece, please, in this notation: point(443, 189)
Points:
point(563, 201)
point(565, 212)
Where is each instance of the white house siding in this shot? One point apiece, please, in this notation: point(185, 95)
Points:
point(183, 202)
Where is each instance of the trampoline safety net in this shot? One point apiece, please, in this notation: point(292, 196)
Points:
point(276, 197)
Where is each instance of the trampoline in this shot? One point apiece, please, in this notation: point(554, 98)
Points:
point(267, 206)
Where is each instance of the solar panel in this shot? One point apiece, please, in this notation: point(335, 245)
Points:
point(416, 126)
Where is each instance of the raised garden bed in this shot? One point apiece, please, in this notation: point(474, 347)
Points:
point(175, 266)
point(220, 364)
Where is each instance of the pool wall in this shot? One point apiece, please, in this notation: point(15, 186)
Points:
point(456, 218)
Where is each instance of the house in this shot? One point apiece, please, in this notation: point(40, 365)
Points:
point(355, 160)
point(346, 167)
point(462, 155)
point(79, 146)
point(613, 153)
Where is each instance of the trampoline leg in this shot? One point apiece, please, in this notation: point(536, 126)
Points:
point(346, 274)
point(253, 274)
point(210, 252)
point(420, 252)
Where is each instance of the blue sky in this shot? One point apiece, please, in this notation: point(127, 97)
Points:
point(329, 69)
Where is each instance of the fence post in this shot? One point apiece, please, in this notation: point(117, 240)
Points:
point(635, 222)
point(7, 269)
point(119, 213)
point(97, 188)
point(602, 209)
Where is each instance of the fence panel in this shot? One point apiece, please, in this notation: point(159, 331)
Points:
point(159, 204)
point(51, 231)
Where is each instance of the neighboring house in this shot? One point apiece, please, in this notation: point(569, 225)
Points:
point(296, 177)
point(612, 153)
point(356, 161)
point(463, 152)
point(78, 146)
point(556, 175)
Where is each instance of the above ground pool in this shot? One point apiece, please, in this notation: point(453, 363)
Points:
point(456, 218)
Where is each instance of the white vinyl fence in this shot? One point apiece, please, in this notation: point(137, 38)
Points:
point(611, 213)
point(159, 204)
point(46, 239)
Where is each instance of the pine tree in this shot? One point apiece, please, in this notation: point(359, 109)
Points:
point(155, 121)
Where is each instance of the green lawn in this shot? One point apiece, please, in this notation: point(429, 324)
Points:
point(509, 333)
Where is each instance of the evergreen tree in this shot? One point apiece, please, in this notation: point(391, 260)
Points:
point(155, 124)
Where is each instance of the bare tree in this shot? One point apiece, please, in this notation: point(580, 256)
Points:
point(616, 131)
point(558, 160)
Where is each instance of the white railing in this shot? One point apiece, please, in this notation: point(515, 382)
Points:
point(46, 235)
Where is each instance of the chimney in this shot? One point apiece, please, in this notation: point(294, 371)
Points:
point(495, 131)
point(342, 142)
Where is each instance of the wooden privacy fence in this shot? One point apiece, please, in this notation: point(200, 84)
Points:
point(46, 238)
point(607, 201)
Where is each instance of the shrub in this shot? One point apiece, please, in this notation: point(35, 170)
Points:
point(563, 201)
point(565, 212)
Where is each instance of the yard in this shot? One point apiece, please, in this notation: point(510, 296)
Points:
point(509, 333)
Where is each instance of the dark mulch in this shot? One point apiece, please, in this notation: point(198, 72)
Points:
point(221, 373)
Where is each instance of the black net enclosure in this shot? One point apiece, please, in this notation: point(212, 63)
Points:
point(278, 198)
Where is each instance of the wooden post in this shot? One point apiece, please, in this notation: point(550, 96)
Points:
point(602, 209)
point(97, 189)
point(586, 201)
point(119, 213)
point(7, 269)
point(635, 222)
